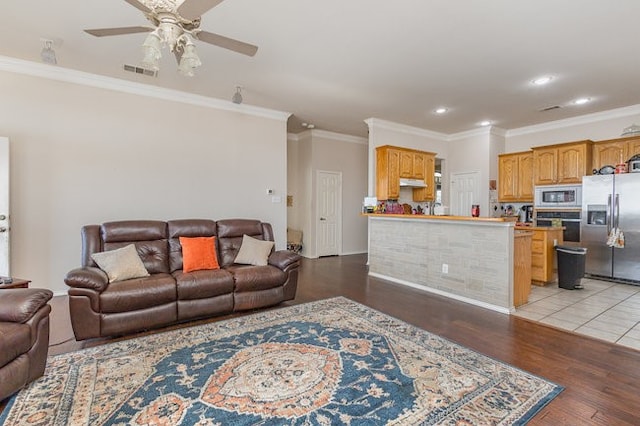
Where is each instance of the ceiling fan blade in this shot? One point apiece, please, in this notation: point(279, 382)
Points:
point(139, 6)
point(227, 43)
point(193, 9)
point(103, 32)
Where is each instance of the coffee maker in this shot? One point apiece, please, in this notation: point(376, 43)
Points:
point(526, 213)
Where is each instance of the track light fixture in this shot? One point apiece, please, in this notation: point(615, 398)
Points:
point(237, 97)
point(47, 54)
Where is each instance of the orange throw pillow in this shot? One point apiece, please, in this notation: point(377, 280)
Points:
point(198, 253)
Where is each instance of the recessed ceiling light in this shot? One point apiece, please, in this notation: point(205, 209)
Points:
point(581, 101)
point(485, 123)
point(441, 110)
point(541, 81)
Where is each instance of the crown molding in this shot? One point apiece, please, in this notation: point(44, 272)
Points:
point(35, 69)
point(484, 131)
point(340, 137)
point(576, 121)
point(403, 128)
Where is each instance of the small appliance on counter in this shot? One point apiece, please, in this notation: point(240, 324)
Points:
point(369, 205)
point(633, 164)
point(526, 213)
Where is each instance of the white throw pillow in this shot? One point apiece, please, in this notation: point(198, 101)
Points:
point(121, 264)
point(254, 251)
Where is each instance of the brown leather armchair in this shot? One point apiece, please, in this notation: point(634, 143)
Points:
point(24, 337)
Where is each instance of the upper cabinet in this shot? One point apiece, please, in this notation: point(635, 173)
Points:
point(515, 177)
point(615, 151)
point(429, 192)
point(564, 163)
point(387, 173)
point(393, 163)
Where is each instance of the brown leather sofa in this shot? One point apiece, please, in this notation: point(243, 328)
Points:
point(99, 308)
point(24, 337)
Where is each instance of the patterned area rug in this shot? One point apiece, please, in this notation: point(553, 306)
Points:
point(322, 363)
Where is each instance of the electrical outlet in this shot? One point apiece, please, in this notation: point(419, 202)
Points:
point(555, 242)
point(445, 268)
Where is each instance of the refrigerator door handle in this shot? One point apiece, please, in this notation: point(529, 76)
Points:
point(609, 212)
point(617, 210)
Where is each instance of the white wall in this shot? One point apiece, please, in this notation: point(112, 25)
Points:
point(82, 154)
point(327, 151)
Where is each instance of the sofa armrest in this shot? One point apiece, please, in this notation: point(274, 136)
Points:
point(20, 304)
point(89, 277)
point(283, 259)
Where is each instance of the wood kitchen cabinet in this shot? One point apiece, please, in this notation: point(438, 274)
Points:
point(543, 253)
point(614, 151)
point(515, 177)
point(393, 163)
point(387, 173)
point(428, 193)
point(521, 267)
point(412, 164)
point(562, 163)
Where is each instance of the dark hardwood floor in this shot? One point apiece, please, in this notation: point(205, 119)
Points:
point(601, 380)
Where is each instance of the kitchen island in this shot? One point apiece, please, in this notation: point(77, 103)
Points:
point(465, 258)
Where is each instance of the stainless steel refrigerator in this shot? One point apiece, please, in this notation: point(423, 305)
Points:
point(611, 201)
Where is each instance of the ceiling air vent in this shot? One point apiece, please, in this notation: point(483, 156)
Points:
point(550, 108)
point(140, 70)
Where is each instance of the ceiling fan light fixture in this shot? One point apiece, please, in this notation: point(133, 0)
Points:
point(237, 97)
point(151, 51)
point(189, 60)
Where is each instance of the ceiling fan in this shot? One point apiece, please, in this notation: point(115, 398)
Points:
point(176, 27)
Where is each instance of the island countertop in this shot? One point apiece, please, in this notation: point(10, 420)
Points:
point(436, 217)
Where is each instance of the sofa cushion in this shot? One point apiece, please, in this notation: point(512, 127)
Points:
point(186, 228)
point(253, 251)
point(138, 293)
point(15, 340)
point(199, 253)
point(203, 284)
point(251, 278)
point(121, 264)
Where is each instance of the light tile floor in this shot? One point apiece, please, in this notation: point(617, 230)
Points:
point(603, 309)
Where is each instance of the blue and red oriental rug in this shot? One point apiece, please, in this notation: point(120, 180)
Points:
point(323, 363)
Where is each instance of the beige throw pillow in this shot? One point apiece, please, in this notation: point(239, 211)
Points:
point(121, 264)
point(254, 251)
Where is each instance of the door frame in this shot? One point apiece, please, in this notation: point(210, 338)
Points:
point(338, 211)
point(5, 242)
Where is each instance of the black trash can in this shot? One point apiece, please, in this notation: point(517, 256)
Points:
point(570, 266)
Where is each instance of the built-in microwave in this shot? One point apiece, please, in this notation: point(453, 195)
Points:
point(558, 196)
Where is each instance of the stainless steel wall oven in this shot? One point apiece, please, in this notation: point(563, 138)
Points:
point(569, 219)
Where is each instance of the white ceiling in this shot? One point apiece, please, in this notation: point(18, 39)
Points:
point(335, 63)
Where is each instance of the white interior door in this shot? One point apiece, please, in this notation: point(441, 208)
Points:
point(329, 213)
point(4, 207)
point(465, 191)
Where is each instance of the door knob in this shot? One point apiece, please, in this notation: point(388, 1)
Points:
point(322, 218)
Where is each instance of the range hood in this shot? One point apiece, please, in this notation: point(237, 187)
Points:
point(413, 183)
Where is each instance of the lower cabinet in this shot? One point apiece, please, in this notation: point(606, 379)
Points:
point(521, 267)
point(543, 254)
